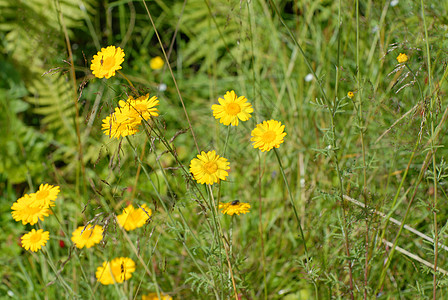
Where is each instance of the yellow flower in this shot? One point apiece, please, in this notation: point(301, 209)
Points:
point(350, 95)
point(34, 240)
point(209, 168)
point(234, 207)
point(25, 210)
point(116, 271)
point(156, 63)
point(87, 236)
point(153, 296)
point(107, 61)
point(141, 107)
point(121, 123)
point(402, 58)
point(232, 109)
point(133, 218)
point(46, 195)
point(268, 135)
point(128, 115)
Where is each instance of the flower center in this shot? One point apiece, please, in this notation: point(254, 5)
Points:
point(269, 136)
point(233, 108)
point(35, 238)
point(41, 195)
point(210, 167)
point(109, 62)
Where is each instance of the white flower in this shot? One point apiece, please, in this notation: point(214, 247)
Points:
point(309, 77)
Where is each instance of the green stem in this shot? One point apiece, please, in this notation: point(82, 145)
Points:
point(436, 233)
point(332, 111)
point(180, 237)
point(72, 246)
point(417, 144)
point(363, 147)
point(64, 284)
point(127, 79)
point(224, 154)
point(291, 200)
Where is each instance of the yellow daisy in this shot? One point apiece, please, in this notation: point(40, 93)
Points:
point(133, 218)
point(142, 107)
point(209, 168)
point(153, 296)
point(350, 95)
point(402, 58)
point(234, 207)
point(116, 271)
point(46, 195)
point(121, 123)
point(107, 61)
point(268, 135)
point(87, 236)
point(156, 63)
point(232, 109)
point(34, 240)
point(24, 210)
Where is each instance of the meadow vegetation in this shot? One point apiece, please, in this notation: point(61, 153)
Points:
point(223, 149)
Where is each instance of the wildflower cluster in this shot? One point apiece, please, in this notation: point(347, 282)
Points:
point(206, 168)
point(124, 121)
point(210, 168)
point(30, 209)
point(129, 115)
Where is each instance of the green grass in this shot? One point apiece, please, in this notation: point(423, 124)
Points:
point(351, 164)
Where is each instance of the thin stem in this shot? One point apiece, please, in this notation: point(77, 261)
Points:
point(224, 153)
point(260, 227)
point(417, 144)
point(291, 200)
point(127, 79)
point(229, 254)
point(332, 111)
point(308, 64)
point(75, 98)
point(139, 168)
point(72, 246)
point(172, 76)
point(422, 172)
point(363, 147)
point(57, 273)
point(227, 140)
point(179, 236)
point(434, 208)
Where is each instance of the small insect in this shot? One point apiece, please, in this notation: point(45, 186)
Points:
point(235, 202)
point(101, 61)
